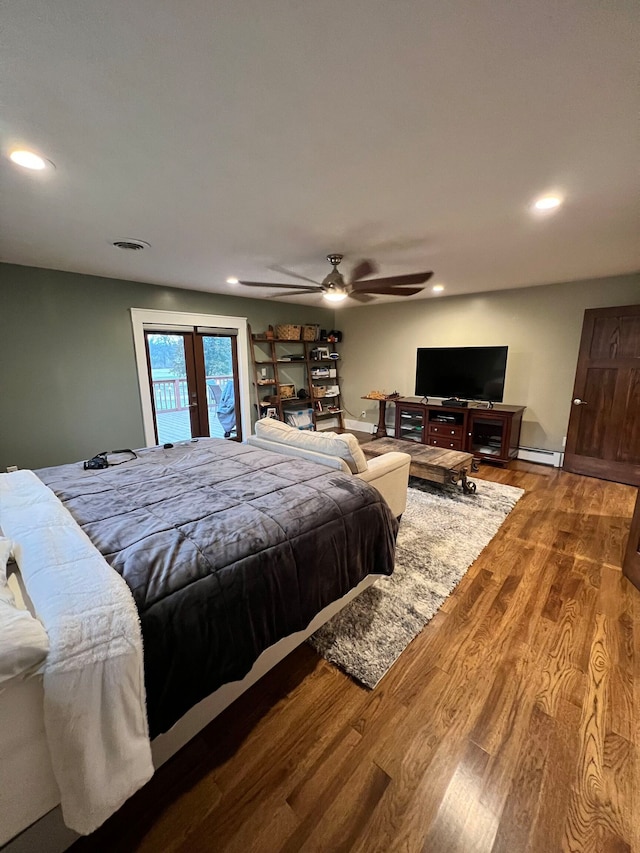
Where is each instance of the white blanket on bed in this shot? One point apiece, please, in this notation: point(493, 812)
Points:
point(94, 697)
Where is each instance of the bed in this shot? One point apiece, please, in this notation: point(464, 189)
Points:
point(232, 555)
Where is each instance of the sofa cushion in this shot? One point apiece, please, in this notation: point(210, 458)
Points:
point(273, 430)
point(343, 446)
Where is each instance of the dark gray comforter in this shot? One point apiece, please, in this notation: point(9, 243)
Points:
point(226, 549)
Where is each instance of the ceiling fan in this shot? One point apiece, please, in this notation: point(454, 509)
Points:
point(334, 287)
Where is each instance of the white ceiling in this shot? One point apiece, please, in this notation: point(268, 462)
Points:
point(233, 136)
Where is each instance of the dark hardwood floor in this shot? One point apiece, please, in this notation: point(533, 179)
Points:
point(511, 723)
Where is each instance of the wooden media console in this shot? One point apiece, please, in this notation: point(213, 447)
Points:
point(489, 434)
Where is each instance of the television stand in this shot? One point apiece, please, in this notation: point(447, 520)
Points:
point(489, 434)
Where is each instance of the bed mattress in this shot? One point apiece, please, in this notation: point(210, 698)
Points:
point(226, 549)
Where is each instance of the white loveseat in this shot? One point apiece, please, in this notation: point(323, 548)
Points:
point(389, 473)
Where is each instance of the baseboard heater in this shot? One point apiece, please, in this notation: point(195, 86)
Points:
point(363, 426)
point(543, 457)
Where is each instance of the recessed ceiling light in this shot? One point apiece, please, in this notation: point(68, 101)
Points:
point(232, 280)
point(547, 202)
point(438, 288)
point(29, 160)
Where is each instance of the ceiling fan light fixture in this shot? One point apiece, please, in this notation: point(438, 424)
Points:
point(232, 280)
point(438, 288)
point(335, 295)
point(334, 288)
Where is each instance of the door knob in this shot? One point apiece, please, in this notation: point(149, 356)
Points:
point(579, 402)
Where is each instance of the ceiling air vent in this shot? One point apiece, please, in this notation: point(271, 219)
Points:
point(131, 245)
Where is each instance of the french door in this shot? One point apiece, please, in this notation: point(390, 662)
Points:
point(194, 382)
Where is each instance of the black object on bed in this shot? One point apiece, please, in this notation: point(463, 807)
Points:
point(227, 549)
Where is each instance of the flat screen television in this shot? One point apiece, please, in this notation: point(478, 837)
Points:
point(469, 373)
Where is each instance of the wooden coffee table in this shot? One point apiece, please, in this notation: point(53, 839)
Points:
point(435, 464)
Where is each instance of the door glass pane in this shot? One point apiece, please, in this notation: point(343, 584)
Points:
point(219, 373)
point(169, 387)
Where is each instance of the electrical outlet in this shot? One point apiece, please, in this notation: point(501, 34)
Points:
point(363, 414)
point(11, 469)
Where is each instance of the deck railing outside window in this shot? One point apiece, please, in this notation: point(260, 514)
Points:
point(171, 395)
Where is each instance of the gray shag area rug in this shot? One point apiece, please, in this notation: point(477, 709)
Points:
point(442, 531)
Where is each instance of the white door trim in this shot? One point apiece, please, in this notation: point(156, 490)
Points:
point(187, 320)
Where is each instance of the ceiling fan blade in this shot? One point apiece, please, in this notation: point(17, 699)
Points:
point(361, 297)
point(392, 291)
point(296, 292)
point(362, 270)
point(285, 271)
point(273, 284)
point(394, 281)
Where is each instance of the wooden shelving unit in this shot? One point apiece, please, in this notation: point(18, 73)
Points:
point(278, 363)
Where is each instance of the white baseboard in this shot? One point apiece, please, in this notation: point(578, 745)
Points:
point(543, 457)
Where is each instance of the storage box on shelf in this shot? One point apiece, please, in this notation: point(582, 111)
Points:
point(323, 373)
point(287, 391)
point(299, 418)
point(491, 434)
point(310, 333)
point(287, 332)
point(284, 366)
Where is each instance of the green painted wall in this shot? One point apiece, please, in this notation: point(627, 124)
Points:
point(68, 380)
point(540, 325)
point(69, 387)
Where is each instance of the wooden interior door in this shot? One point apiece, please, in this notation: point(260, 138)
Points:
point(631, 566)
point(603, 439)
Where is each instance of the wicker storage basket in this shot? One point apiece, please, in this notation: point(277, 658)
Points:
point(309, 333)
point(287, 391)
point(288, 332)
point(319, 391)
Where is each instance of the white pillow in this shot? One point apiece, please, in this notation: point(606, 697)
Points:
point(23, 641)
